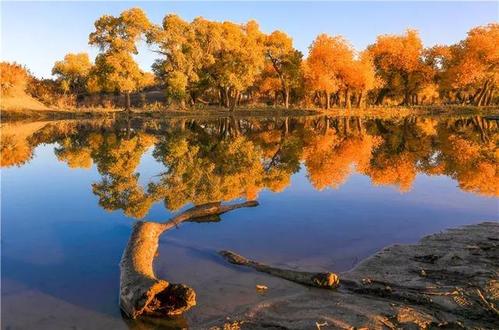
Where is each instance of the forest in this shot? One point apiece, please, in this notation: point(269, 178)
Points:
point(229, 65)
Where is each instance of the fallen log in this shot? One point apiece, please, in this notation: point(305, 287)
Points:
point(141, 292)
point(320, 280)
point(446, 281)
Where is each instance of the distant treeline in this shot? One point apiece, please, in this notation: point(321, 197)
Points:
point(228, 64)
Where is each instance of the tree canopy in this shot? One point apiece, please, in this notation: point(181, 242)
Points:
point(227, 64)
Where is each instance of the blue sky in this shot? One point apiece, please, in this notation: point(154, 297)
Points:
point(39, 33)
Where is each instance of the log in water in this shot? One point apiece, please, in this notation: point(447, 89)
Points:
point(141, 292)
point(321, 280)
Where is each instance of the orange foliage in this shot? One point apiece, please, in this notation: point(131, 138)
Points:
point(399, 170)
point(14, 78)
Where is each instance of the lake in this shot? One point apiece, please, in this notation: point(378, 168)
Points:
point(331, 191)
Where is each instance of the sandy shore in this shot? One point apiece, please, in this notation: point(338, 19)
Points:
point(448, 280)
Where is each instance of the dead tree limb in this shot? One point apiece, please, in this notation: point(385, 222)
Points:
point(141, 292)
point(320, 280)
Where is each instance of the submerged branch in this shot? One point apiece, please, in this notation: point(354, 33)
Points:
point(320, 280)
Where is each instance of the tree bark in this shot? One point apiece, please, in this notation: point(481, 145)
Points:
point(359, 101)
point(381, 96)
point(141, 292)
point(407, 94)
point(127, 101)
point(348, 102)
point(319, 280)
point(233, 102)
point(225, 97)
point(286, 98)
point(481, 96)
point(490, 96)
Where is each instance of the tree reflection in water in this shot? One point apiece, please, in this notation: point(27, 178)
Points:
point(230, 158)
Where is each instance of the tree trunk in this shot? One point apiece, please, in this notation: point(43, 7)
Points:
point(348, 102)
point(141, 292)
point(483, 93)
point(286, 98)
point(359, 101)
point(490, 96)
point(238, 99)
point(474, 97)
point(407, 94)
point(328, 100)
point(234, 99)
point(127, 101)
point(316, 99)
point(381, 96)
point(225, 97)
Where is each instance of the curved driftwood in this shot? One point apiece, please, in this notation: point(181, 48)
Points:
point(141, 292)
point(319, 280)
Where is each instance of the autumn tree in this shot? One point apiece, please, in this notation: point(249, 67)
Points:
point(359, 78)
point(72, 72)
point(182, 56)
point(205, 56)
point(398, 62)
point(269, 84)
point(285, 60)
point(328, 61)
point(238, 62)
point(471, 67)
point(117, 37)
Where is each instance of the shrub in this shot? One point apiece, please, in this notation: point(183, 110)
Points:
point(48, 92)
point(14, 78)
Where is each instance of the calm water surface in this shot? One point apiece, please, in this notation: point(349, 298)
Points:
point(332, 191)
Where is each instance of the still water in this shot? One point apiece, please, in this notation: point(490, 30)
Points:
point(331, 192)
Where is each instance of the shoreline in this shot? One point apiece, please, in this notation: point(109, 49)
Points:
point(10, 115)
point(446, 280)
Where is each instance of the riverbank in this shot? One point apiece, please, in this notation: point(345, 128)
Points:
point(54, 114)
point(215, 112)
point(447, 280)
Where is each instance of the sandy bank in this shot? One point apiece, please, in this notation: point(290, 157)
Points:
point(448, 280)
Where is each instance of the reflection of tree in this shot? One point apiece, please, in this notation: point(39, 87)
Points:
point(16, 142)
point(331, 156)
point(396, 160)
point(226, 159)
point(468, 152)
point(72, 152)
point(117, 159)
point(15, 151)
point(202, 171)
